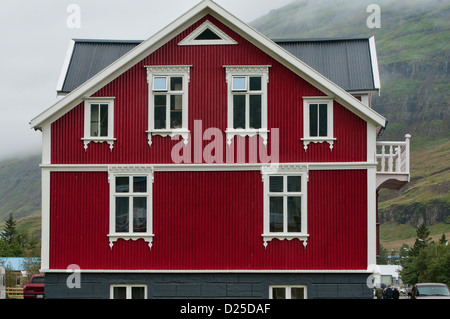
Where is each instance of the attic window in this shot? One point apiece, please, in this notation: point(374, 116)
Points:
point(207, 34)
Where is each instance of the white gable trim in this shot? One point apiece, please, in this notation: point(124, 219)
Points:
point(225, 39)
point(160, 38)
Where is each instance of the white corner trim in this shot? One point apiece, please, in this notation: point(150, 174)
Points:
point(374, 60)
point(45, 219)
point(65, 67)
point(225, 39)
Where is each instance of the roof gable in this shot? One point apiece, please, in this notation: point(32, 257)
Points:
point(206, 7)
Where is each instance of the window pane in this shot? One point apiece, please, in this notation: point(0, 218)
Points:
point(160, 111)
point(313, 120)
point(104, 120)
point(176, 83)
point(139, 184)
point(160, 83)
point(294, 183)
point(276, 214)
point(176, 111)
point(276, 184)
point(239, 111)
point(122, 184)
point(94, 119)
point(137, 292)
point(279, 293)
point(323, 120)
point(207, 35)
point(122, 209)
point(239, 83)
point(255, 111)
point(294, 214)
point(297, 293)
point(120, 293)
point(255, 84)
point(140, 214)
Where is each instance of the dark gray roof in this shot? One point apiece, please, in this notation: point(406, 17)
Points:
point(89, 57)
point(346, 62)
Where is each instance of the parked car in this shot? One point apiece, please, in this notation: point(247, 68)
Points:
point(35, 288)
point(430, 291)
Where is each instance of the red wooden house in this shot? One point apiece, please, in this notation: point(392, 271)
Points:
point(210, 161)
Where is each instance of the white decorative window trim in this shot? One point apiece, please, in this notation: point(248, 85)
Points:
point(168, 71)
point(87, 122)
point(307, 139)
point(247, 71)
point(225, 39)
point(285, 170)
point(128, 171)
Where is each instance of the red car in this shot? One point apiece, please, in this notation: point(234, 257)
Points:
point(35, 288)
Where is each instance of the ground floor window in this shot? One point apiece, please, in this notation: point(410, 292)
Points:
point(287, 292)
point(128, 291)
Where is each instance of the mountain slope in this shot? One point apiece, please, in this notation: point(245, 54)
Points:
point(20, 192)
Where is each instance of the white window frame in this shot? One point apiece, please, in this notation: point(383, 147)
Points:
point(307, 101)
point(130, 172)
point(225, 39)
point(128, 290)
point(285, 170)
point(247, 71)
point(288, 290)
point(87, 122)
point(168, 71)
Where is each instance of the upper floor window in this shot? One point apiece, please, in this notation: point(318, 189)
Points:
point(130, 206)
point(317, 121)
point(247, 101)
point(168, 101)
point(99, 121)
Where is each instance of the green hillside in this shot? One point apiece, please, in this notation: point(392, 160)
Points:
point(20, 193)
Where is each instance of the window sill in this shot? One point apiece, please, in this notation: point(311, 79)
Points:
point(231, 133)
point(109, 140)
point(184, 133)
point(285, 236)
point(307, 140)
point(133, 236)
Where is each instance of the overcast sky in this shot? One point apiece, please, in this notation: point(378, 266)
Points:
point(34, 37)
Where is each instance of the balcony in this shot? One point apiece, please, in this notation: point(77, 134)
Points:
point(393, 164)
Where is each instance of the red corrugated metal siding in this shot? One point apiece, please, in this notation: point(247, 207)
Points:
point(209, 220)
point(207, 102)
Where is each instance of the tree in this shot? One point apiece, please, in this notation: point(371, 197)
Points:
point(17, 244)
point(443, 240)
point(426, 261)
point(9, 231)
point(422, 239)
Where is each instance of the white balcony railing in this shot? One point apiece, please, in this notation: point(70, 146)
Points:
point(393, 163)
